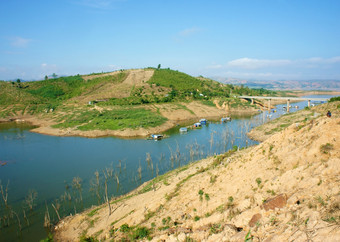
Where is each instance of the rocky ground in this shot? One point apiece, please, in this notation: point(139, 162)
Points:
point(285, 189)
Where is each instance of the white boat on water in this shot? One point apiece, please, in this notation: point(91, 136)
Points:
point(225, 119)
point(197, 125)
point(156, 136)
point(203, 121)
point(183, 130)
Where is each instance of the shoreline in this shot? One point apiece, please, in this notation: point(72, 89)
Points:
point(195, 111)
point(44, 126)
point(263, 190)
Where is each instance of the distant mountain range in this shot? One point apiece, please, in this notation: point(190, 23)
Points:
point(329, 85)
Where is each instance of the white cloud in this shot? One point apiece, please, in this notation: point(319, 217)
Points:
point(114, 67)
point(248, 63)
point(186, 33)
point(215, 66)
point(19, 42)
point(99, 4)
point(47, 69)
point(248, 74)
point(189, 32)
point(3, 69)
point(318, 60)
point(308, 68)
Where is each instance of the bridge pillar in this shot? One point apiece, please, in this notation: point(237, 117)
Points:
point(252, 101)
point(269, 107)
point(309, 103)
point(288, 105)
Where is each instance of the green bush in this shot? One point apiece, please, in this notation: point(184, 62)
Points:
point(140, 233)
point(334, 99)
point(112, 119)
point(125, 228)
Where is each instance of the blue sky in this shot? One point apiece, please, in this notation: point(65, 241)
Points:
point(248, 39)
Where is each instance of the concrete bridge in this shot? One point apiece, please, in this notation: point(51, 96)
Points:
point(309, 99)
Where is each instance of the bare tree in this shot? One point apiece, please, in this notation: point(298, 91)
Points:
point(29, 199)
point(148, 158)
point(140, 172)
point(25, 217)
point(95, 186)
point(76, 184)
point(117, 180)
point(18, 219)
point(108, 174)
point(4, 194)
point(56, 208)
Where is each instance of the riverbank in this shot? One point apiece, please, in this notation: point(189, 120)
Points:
point(69, 119)
point(263, 132)
point(175, 113)
point(286, 188)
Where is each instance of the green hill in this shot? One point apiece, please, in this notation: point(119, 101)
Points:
point(115, 100)
point(165, 85)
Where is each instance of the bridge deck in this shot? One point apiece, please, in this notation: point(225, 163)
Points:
point(287, 98)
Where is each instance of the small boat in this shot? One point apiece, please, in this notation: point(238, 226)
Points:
point(226, 119)
point(156, 136)
point(183, 130)
point(203, 121)
point(197, 125)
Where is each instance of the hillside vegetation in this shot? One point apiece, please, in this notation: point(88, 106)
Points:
point(120, 100)
point(284, 189)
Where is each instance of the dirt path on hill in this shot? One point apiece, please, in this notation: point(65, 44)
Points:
point(134, 78)
point(138, 77)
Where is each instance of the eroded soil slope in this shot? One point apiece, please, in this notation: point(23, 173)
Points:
point(287, 188)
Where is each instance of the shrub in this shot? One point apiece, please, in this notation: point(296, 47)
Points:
point(258, 181)
point(125, 228)
point(326, 148)
point(140, 233)
point(334, 99)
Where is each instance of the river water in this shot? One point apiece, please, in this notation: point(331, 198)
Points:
point(47, 165)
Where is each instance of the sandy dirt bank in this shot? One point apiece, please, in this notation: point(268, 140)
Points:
point(175, 113)
point(284, 189)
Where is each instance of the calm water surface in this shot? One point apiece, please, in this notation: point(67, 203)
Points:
point(48, 164)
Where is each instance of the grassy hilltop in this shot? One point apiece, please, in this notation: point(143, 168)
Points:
point(126, 99)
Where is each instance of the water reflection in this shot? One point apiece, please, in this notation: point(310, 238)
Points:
point(70, 173)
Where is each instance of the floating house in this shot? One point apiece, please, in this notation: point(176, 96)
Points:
point(203, 121)
point(226, 119)
point(156, 136)
point(183, 130)
point(197, 125)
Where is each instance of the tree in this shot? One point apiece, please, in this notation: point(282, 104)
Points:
point(46, 78)
point(76, 184)
point(159, 66)
point(108, 174)
point(29, 200)
point(54, 75)
point(4, 193)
